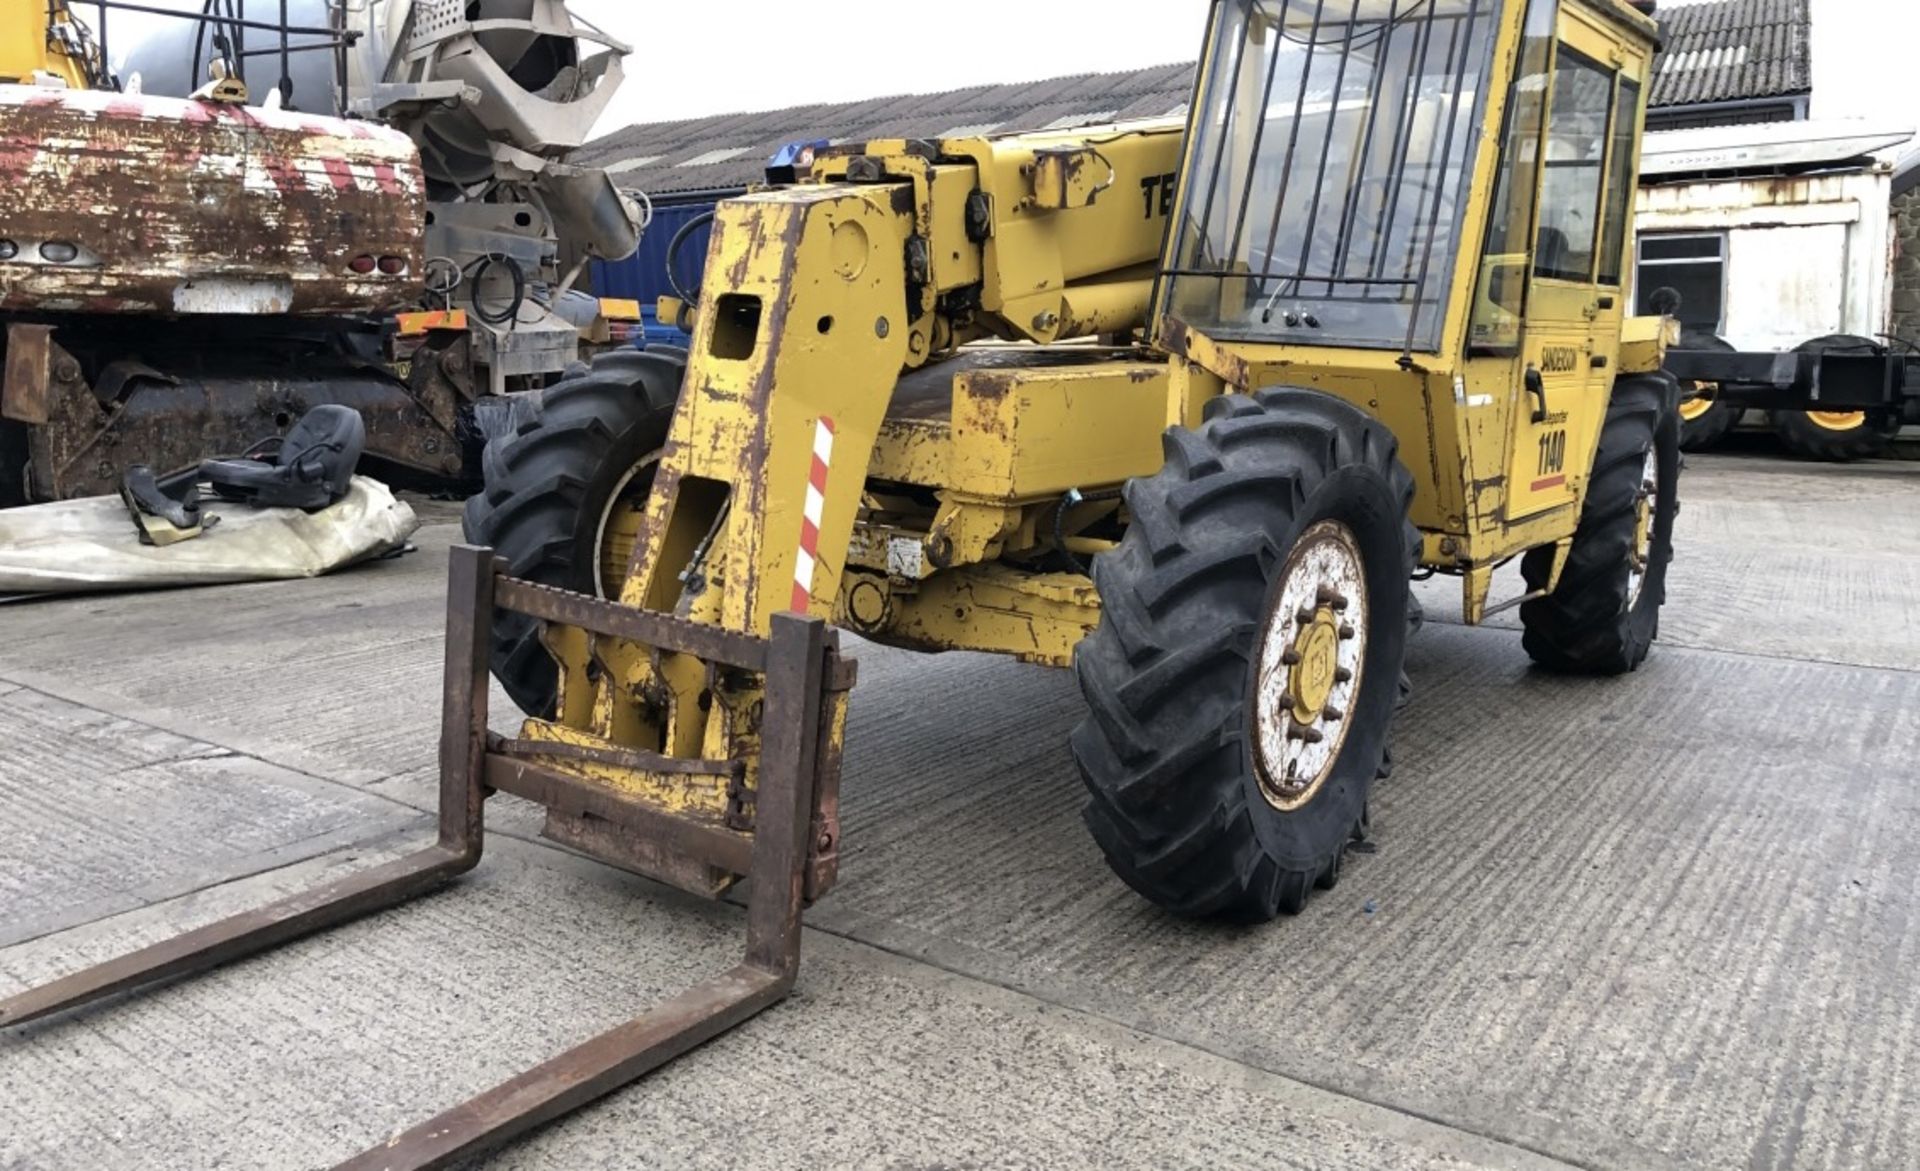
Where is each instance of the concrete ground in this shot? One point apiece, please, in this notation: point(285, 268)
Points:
point(1659, 922)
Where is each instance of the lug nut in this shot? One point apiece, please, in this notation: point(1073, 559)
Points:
point(1346, 630)
point(1342, 675)
point(1289, 657)
point(1304, 615)
point(1331, 713)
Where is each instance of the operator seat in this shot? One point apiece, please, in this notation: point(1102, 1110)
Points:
point(1553, 251)
point(309, 467)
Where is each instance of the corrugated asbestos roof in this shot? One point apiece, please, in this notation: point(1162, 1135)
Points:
point(657, 157)
point(1717, 51)
point(1733, 50)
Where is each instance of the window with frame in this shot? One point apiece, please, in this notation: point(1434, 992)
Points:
point(1330, 166)
point(1502, 300)
point(1578, 124)
point(1620, 173)
point(1692, 264)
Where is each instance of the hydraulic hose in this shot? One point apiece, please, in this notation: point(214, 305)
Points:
point(1072, 497)
point(673, 255)
point(515, 275)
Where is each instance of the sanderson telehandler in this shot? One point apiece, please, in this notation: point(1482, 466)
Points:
point(1362, 319)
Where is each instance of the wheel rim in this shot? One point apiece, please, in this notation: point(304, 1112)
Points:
point(1838, 420)
point(618, 527)
point(1311, 655)
point(1645, 511)
point(1701, 402)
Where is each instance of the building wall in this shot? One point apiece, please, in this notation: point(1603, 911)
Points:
point(1904, 320)
point(1806, 256)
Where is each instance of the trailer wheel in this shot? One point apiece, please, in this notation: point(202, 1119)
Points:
point(1704, 419)
point(1244, 674)
point(1836, 436)
point(562, 493)
point(1602, 617)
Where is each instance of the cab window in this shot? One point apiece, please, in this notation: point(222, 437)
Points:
point(1502, 299)
point(1620, 168)
point(1578, 123)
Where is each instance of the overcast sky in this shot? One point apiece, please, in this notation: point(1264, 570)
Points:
point(1863, 60)
point(698, 57)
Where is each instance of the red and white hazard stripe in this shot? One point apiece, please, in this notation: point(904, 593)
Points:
point(810, 517)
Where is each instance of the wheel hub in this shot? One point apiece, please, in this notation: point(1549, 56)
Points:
point(618, 526)
point(1642, 553)
point(1311, 680)
point(1699, 401)
point(1310, 659)
point(1837, 420)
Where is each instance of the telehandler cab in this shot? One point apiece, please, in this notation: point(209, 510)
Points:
point(1361, 318)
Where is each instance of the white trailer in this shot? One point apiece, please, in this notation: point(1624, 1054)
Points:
point(1778, 238)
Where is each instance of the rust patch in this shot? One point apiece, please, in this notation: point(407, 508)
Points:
point(1181, 341)
point(990, 386)
point(1174, 337)
point(23, 398)
point(737, 271)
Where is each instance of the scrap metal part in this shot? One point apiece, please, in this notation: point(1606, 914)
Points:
point(123, 203)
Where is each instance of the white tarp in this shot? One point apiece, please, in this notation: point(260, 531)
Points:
point(91, 544)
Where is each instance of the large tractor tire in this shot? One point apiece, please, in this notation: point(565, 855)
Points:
point(1602, 617)
point(1704, 419)
point(1836, 436)
point(1246, 667)
point(561, 492)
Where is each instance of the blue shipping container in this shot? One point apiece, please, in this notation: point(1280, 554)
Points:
point(643, 276)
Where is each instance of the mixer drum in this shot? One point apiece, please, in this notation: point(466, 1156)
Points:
point(534, 91)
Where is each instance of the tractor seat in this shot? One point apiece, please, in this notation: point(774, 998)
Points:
point(309, 467)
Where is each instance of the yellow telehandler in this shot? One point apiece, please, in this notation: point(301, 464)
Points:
point(1184, 408)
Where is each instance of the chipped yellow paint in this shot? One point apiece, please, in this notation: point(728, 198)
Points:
point(1034, 617)
point(670, 793)
point(1644, 342)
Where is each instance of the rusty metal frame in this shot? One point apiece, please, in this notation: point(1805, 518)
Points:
point(800, 662)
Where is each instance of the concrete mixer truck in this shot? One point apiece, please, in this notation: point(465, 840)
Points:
point(212, 220)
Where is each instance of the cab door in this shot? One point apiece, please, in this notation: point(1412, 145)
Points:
point(1575, 303)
